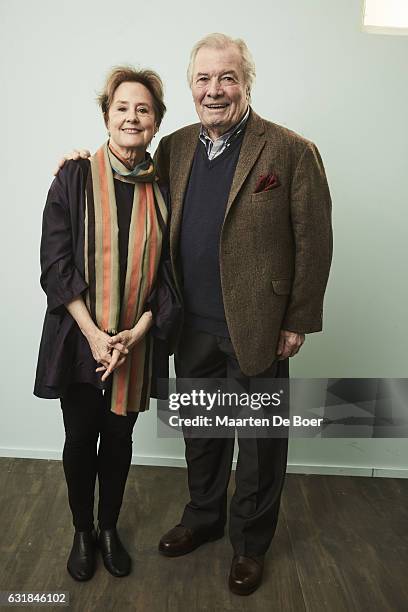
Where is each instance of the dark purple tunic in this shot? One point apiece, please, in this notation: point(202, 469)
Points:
point(65, 356)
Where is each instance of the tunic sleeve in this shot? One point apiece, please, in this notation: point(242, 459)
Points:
point(60, 279)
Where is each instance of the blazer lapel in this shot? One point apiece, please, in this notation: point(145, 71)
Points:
point(252, 145)
point(179, 174)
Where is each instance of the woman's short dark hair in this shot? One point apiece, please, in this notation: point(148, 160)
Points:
point(127, 74)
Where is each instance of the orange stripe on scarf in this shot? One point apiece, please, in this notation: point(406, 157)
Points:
point(122, 387)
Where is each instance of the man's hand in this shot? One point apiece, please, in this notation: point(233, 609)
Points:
point(289, 344)
point(75, 154)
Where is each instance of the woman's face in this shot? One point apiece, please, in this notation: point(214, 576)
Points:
point(131, 120)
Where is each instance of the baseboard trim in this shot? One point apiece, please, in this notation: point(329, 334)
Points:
point(331, 470)
point(293, 468)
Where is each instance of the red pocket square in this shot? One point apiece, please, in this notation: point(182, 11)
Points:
point(266, 182)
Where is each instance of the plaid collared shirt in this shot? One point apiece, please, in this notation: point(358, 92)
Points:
point(218, 146)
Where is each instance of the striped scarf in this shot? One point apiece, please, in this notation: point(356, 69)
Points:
point(131, 382)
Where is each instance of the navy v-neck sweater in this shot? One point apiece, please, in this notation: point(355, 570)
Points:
point(204, 206)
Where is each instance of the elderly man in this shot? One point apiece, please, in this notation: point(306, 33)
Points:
point(250, 243)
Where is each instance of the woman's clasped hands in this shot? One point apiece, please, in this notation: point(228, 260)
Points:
point(114, 350)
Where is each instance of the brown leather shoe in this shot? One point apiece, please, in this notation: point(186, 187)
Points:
point(246, 574)
point(181, 540)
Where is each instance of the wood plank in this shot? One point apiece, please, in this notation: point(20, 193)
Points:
point(348, 557)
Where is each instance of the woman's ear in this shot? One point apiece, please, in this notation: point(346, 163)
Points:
point(106, 120)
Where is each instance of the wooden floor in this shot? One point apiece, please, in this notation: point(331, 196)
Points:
point(341, 545)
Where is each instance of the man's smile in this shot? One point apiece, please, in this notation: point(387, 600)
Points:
point(216, 106)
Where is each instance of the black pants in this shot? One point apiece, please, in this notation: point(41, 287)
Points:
point(261, 464)
point(87, 417)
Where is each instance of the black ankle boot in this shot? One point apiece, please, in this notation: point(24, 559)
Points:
point(81, 561)
point(114, 555)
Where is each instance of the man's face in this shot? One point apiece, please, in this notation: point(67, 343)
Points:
point(219, 90)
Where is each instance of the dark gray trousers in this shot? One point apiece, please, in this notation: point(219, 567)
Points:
point(261, 463)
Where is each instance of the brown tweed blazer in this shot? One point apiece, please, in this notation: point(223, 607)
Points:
point(276, 246)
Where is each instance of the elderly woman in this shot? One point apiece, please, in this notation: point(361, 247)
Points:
point(102, 233)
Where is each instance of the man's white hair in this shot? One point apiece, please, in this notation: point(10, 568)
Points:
point(222, 41)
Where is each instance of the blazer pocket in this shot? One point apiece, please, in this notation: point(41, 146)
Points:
point(264, 196)
point(282, 286)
